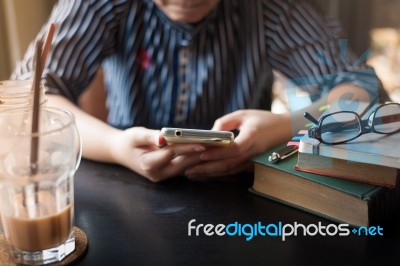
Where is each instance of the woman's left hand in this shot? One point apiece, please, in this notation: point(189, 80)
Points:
point(258, 131)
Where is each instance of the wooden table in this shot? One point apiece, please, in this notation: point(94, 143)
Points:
point(131, 221)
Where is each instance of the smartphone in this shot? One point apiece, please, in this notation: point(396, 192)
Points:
point(185, 135)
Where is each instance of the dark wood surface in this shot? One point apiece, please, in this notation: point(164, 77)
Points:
point(131, 221)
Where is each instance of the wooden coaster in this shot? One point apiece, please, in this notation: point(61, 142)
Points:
point(81, 246)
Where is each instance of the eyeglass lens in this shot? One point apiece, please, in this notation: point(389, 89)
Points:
point(387, 118)
point(340, 127)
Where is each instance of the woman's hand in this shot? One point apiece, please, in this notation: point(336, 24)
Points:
point(139, 149)
point(143, 151)
point(258, 131)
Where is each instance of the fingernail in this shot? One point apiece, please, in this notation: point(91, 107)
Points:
point(159, 140)
point(179, 159)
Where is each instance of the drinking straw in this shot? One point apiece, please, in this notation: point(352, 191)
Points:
point(35, 110)
point(41, 51)
point(40, 56)
point(35, 117)
point(47, 45)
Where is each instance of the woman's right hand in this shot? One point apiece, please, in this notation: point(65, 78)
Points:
point(143, 151)
point(139, 149)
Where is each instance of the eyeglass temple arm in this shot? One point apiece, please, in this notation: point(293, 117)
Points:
point(310, 118)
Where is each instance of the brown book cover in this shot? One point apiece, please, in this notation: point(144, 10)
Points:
point(361, 172)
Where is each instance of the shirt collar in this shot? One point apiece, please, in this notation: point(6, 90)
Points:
point(190, 31)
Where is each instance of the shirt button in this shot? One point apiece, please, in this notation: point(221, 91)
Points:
point(182, 99)
point(184, 60)
point(184, 43)
point(184, 86)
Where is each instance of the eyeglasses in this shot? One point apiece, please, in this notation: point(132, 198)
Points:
point(344, 126)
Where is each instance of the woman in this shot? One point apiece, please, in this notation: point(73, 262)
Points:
point(195, 64)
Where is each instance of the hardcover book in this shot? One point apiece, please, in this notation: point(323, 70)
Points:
point(371, 159)
point(369, 148)
point(355, 203)
point(360, 172)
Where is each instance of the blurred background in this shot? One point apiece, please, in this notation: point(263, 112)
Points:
point(367, 24)
point(20, 20)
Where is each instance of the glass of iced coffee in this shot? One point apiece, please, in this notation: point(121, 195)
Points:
point(37, 184)
point(17, 94)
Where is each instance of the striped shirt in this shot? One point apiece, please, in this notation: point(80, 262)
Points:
point(162, 73)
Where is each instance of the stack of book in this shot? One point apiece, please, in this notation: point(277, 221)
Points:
point(354, 183)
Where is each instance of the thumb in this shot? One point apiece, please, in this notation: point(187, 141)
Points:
point(228, 122)
point(145, 137)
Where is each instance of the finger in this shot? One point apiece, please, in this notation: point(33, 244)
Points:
point(179, 164)
point(221, 153)
point(159, 158)
point(218, 168)
point(175, 167)
point(240, 146)
point(144, 137)
point(230, 121)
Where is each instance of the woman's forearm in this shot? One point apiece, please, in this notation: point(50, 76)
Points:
point(96, 135)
